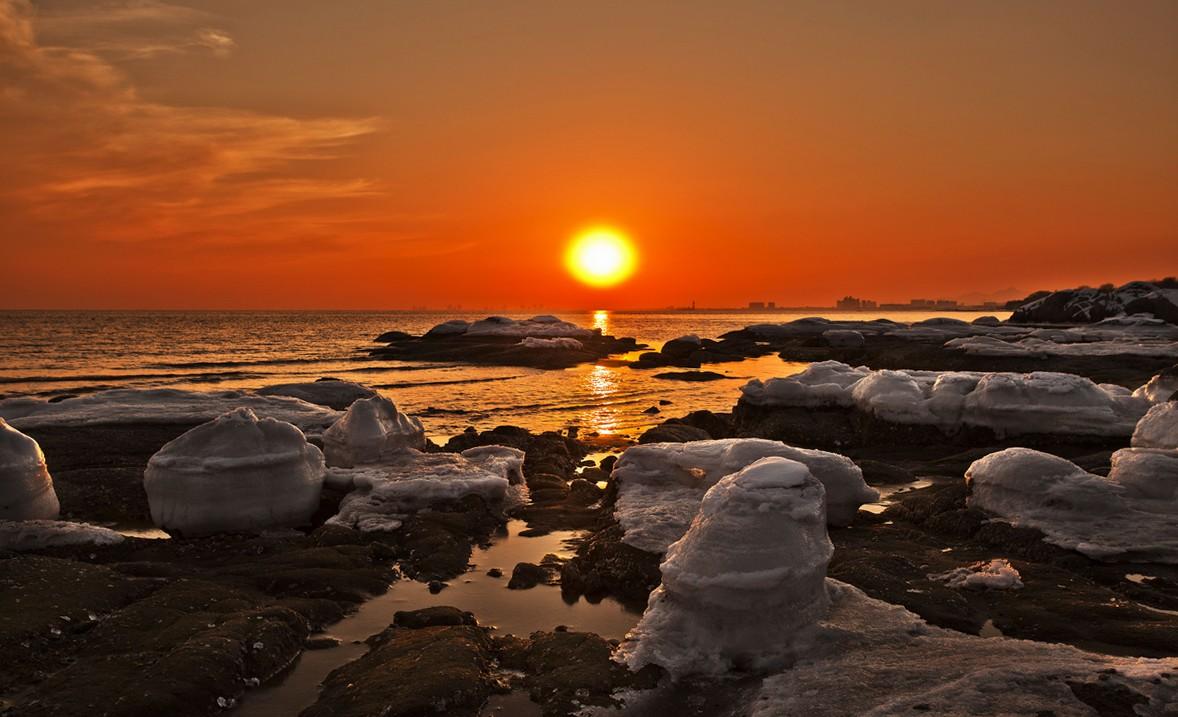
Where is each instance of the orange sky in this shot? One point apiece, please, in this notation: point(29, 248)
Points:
point(379, 154)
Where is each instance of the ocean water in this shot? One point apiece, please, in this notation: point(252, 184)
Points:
point(49, 353)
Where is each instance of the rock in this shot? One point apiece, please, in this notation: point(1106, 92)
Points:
point(494, 573)
point(673, 433)
point(389, 337)
point(1087, 305)
point(527, 575)
point(691, 376)
point(681, 347)
point(652, 410)
point(330, 392)
point(436, 586)
point(880, 473)
point(843, 339)
point(439, 616)
point(583, 492)
point(321, 642)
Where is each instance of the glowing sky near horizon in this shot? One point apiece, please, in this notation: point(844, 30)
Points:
point(372, 154)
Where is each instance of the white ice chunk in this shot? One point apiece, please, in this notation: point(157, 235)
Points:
point(1006, 403)
point(1130, 515)
point(237, 472)
point(26, 489)
point(660, 485)
point(744, 581)
point(160, 405)
point(1158, 428)
point(324, 392)
point(370, 431)
point(559, 342)
point(21, 535)
point(382, 495)
point(996, 574)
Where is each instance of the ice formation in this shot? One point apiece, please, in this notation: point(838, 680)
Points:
point(382, 495)
point(1039, 348)
point(1158, 428)
point(1130, 515)
point(1160, 387)
point(745, 581)
point(26, 489)
point(559, 342)
point(660, 485)
point(371, 430)
point(997, 574)
point(843, 338)
point(160, 405)
point(21, 535)
point(324, 392)
point(236, 472)
point(538, 326)
point(1007, 403)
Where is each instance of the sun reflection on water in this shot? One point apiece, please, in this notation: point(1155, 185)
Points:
point(602, 384)
point(601, 320)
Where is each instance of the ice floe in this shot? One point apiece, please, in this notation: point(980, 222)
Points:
point(996, 574)
point(371, 430)
point(26, 488)
point(380, 496)
point(160, 405)
point(324, 392)
point(660, 485)
point(744, 581)
point(1130, 515)
point(1158, 428)
point(21, 535)
point(237, 472)
point(1006, 403)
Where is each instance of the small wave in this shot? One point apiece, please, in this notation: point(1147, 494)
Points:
point(414, 384)
point(262, 362)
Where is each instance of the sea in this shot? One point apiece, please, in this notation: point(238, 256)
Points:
point(56, 353)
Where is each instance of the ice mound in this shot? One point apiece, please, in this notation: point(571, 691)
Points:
point(371, 430)
point(997, 574)
point(746, 580)
point(1038, 348)
point(382, 495)
point(1130, 515)
point(21, 535)
point(1158, 428)
point(1006, 403)
point(236, 472)
point(873, 659)
point(160, 405)
point(26, 489)
point(560, 342)
point(660, 485)
point(332, 393)
point(538, 326)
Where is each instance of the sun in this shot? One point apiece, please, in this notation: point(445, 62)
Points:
point(601, 256)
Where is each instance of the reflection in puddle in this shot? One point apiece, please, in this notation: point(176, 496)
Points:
point(889, 491)
point(518, 612)
point(989, 629)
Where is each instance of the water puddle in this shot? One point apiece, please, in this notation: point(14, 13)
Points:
point(888, 492)
point(518, 612)
point(989, 629)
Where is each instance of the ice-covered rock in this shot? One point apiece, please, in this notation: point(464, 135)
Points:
point(844, 339)
point(1033, 347)
point(382, 495)
point(1161, 387)
point(454, 327)
point(560, 342)
point(1086, 305)
point(160, 405)
point(545, 326)
point(237, 472)
point(997, 574)
point(26, 489)
point(1130, 515)
point(660, 485)
point(745, 582)
point(329, 392)
point(1158, 428)
point(1006, 403)
point(21, 535)
point(370, 431)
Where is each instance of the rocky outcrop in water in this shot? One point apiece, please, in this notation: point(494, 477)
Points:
point(1086, 305)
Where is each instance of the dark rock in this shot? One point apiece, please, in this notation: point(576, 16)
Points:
point(438, 616)
point(652, 410)
point(389, 337)
point(691, 376)
point(673, 433)
point(880, 473)
point(321, 642)
point(582, 492)
point(495, 573)
point(436, 586)
point(604, 565)
point(527, 575)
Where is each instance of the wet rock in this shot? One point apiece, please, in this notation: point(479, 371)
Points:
point(691, 376)
point(494, 573)
point(880, 473)
point(436, 586)
point(673, 433)
point(321, 642)
point(566, 671)
point(439, 616)
point(527, 575)
point(652, 410)
point(604, 565)
point(583, 492)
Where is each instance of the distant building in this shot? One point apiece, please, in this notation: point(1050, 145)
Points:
point(755, 305)
point(770, 304)
point(945, 304)
point(850, 303)
point(922, 303)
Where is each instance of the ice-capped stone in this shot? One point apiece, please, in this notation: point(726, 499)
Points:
point(26, 489)
point(1158, 428)
point(381, 496)
point(1130, 515)
point(844, 339)
point(1160, 387)
point(565, 343)
point(236, 472)
point(997, 574)
point(660, 485)
point(21, 535)
point(743, 585)
point(370, 431)
point(330, 392)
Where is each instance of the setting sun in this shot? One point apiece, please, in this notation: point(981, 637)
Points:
point(601, 256)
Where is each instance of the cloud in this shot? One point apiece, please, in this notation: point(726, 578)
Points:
point(86, 153)
point(134, 29)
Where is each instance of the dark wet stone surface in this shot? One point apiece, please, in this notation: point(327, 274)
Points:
point(499, 350)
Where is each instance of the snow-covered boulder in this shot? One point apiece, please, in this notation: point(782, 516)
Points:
point(1006, 403)
point(1034, 347)
point(560, 342)
point(26, 489)
point(843, 339)
point(545, 326)
point(381, 496)
point(237, 472)
point(1087, 305)
point(745, 582)
point(21, 535)
point(329, 392)
point(1130, 515)
point(997, 574)
point(1158, 428)
point(454, 327)
point(370, 431)
point(1160, 387)
point(660, 485)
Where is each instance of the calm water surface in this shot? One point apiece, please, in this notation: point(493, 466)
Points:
point(56, 352)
